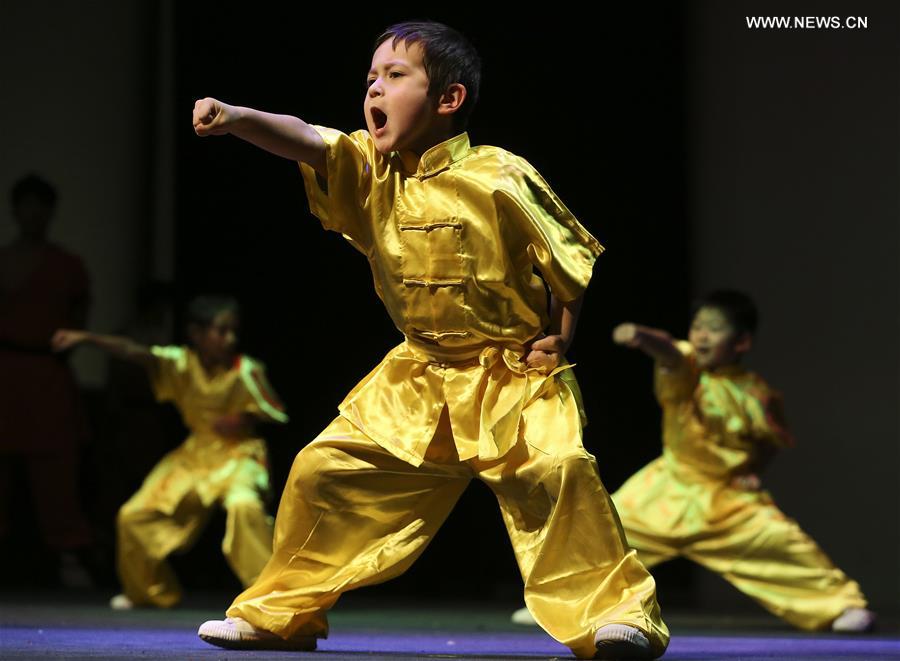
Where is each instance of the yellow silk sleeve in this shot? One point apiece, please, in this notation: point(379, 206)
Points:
point(262, 399)
point(169, 373)
point(340, 201)
point(559, 247)
point(765, 408)
point(678, 382)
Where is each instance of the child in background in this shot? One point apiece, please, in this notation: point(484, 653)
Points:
point(221, 395)
point(702, 498)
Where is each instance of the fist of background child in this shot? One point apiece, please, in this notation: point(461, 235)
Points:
point(65, 339)
point(625, 334)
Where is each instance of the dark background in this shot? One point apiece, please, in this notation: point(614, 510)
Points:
point(701, 153)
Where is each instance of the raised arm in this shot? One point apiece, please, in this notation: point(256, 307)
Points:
point(121, 347)
point(282, 135)
point(656, 343)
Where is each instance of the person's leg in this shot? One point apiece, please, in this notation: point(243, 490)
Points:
point(767, 556)
point(580, 576)
point(164, 516)
point(351, 515)
point(53, 478)
point(247, 544)
point(644, 507)
point(651, 513)
point(57, 501)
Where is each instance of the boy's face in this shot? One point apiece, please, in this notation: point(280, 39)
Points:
point(715, 341)
point(399, 113)
point(217, 342)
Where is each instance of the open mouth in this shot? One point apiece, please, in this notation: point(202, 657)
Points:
point(379, 119)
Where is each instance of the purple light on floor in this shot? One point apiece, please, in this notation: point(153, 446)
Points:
point(712, 647)
point(503, 644)
point(180, 643)
point(76, 639)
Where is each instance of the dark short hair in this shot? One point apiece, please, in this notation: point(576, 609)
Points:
point(33, 185)
point(738, 308)
point(449, 58)
point(202, 310)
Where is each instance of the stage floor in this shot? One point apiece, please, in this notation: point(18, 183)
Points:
point(81, 626)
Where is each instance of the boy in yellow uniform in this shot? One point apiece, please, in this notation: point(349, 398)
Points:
point(702, 499)
point(453, 235)
point(221, 396)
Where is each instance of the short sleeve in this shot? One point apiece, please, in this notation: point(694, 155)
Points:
point(677, 383)
point(765, 409)
point(263, 401)
point(340, 201)
point(169, 374)
point(557, 244)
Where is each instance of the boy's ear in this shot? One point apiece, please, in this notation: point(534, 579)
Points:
point(743, 343)
point(452, 99)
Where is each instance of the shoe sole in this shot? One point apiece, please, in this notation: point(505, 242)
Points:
point(621, 649)
point(259, 643)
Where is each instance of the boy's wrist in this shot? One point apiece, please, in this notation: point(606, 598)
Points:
point(236, 116)
point(552, 342)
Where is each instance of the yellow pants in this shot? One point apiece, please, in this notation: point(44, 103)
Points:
point(738, 534)
point(352, 515)
point(170, 510)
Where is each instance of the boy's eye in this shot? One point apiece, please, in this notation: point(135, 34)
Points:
point(394, 74)
point(369, 82)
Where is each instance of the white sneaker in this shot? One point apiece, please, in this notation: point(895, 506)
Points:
point(121, 603)
point(236, 633)
point(524, 617)
point(854, 620)
point(621, 641)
